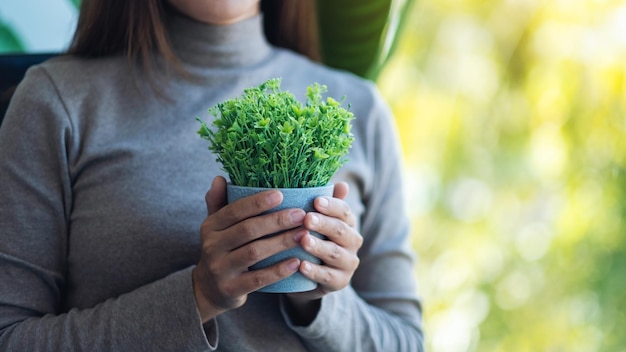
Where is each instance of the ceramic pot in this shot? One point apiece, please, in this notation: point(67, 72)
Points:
point(292, 198)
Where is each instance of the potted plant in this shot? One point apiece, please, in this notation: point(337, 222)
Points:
point(266, 139)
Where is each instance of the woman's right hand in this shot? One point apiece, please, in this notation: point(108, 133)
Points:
point(221, 280)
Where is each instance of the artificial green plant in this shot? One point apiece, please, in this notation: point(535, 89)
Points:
point(266, 138)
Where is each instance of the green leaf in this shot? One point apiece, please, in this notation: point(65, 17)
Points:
point(9, 41)
point(360, 35)
point(75, 3)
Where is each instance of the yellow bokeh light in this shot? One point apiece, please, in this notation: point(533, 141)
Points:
point(512, 115)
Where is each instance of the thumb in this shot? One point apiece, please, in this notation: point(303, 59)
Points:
point(216, 196)
point(341, 190)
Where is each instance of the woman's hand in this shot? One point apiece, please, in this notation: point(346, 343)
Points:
point(221, 279)
point(338, 252)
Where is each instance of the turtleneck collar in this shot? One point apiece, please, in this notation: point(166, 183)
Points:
point(218, 46)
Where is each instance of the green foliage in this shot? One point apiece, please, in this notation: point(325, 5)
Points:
point(9, 42)
point(266, 138)
point(75, 3)
point(359, 36)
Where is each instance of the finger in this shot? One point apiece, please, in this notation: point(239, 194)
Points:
point(253, 252)
point(216, 196)
point(254, 280)
point(341, 190)
point(330, 253)
point(247, 207)
point(331, 279)
point(256, 227)
point(337, 230)
point(335, 207)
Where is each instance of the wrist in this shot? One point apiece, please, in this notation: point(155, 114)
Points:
point(205, 309)
point(302, 312)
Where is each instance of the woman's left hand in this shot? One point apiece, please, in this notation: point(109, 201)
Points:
point(338, 252)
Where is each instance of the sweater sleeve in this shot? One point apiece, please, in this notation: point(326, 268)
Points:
point(380, 310)
point(36, 140)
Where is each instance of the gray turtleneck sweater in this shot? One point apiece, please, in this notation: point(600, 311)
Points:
point(102, 184)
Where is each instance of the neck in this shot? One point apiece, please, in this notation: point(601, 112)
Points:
point(235, 45)
point(226, 16)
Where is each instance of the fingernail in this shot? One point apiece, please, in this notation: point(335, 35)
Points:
point(274, 198)
point(315, 219)
point(312, 241)
point(299, 234)
point(297, 216)
point(323, 202)
point(293, 265)
point(306, 267)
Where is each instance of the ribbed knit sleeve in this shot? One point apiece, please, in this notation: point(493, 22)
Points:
point(36, 200)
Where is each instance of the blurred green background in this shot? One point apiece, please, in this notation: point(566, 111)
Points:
point(512, 115)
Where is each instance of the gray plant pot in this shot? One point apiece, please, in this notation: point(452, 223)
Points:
point(292, 198)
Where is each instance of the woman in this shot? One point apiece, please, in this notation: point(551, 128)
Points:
point(103, 181)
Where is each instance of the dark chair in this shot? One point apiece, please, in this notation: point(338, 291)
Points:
point(12, 70)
